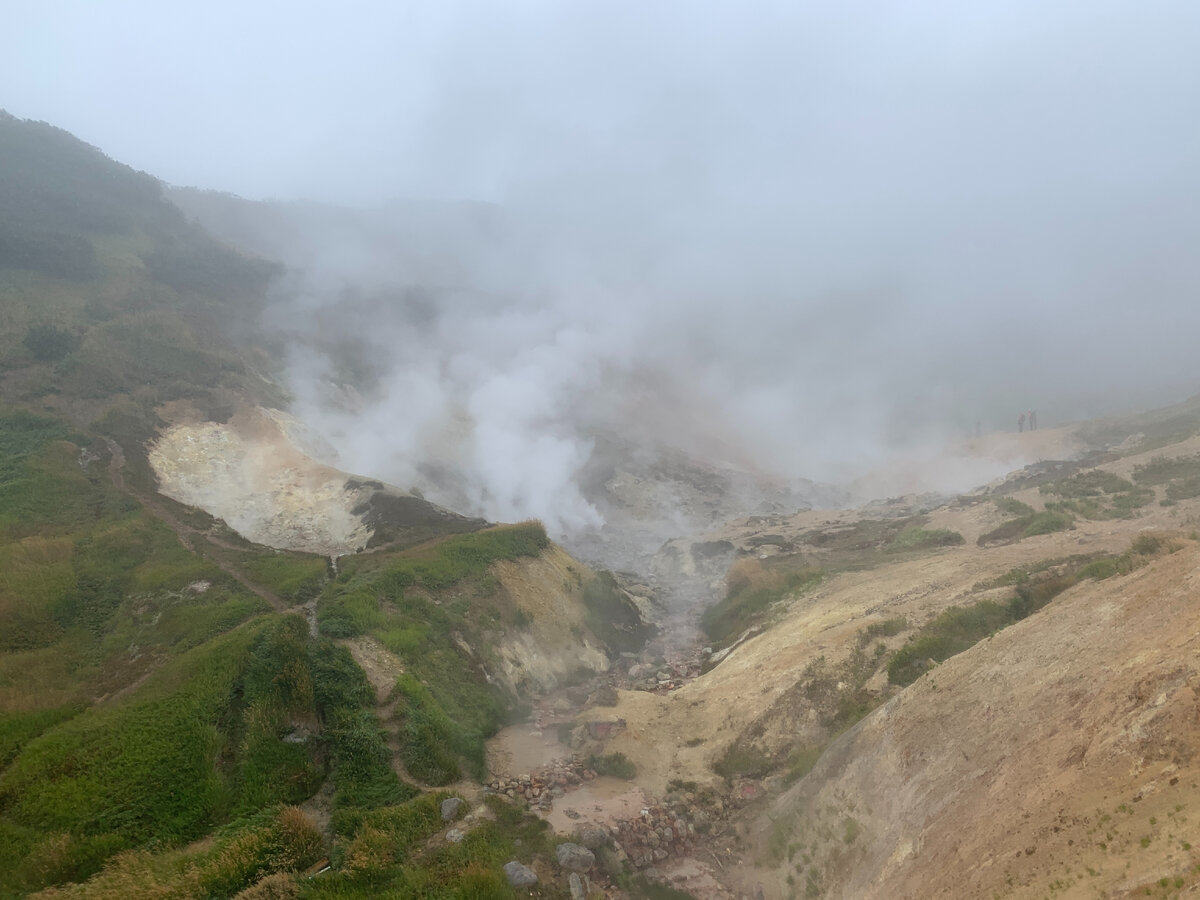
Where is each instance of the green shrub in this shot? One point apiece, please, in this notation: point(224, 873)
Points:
point(1047, 522)
point(886, 628)
point(743, 759)
point(916, 538)
point(49, 343)
point(954, 630)
point(745, 602)
point(1162, 470)
point(1028, 524)
point(1013, 506)
point(612, 616)
point(1098, 495)
point(615, 764)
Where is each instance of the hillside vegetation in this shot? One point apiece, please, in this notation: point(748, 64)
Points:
point(180, 711)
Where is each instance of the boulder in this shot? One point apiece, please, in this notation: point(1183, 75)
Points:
point(575, 883)
point(574, 857)
point(450, 808)
point(591, 836)
point(519, 875)
point(605, 695)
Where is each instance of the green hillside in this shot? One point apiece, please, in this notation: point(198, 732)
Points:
point(165, 706)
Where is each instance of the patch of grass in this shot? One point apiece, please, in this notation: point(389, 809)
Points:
point(1022, 574)
point(274, 841)
point(141, 770)
point(1013, 506)
point(1162, 470)
point(428, 606)
point(386, 856)
point(953, 631)
point(914, 537)
point(612, 616)
point(1027, 524)
point(18, 728)
point(743, 760)
point(800, 762)
point(459, 557)
point(1047, 522)
point(1181, 475)
point(752, 589)
point(432, 743)
point(884, 629)
point(850, 830)
point(863, 535)
point(961, 627)
point(296, 577)
point(1097, 494)
point(361, 762)
point(202, 741)
point(615, 764)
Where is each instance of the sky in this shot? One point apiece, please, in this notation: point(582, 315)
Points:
point(802, 232)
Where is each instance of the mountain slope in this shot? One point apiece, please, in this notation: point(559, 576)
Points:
point(168, 687)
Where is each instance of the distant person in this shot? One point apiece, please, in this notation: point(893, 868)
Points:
point(1021, 423)
point(1033, 420)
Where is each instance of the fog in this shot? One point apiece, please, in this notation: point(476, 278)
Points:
point(791, 238)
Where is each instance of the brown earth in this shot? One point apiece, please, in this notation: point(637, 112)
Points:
point(1059, 756)
point(991, 774)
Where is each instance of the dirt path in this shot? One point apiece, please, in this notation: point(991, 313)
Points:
point(190, 537)
point(382, 668)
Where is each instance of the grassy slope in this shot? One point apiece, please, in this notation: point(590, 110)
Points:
point(147, 697)
point(415, 603)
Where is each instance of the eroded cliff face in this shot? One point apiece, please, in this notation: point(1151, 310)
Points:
point(557, 643)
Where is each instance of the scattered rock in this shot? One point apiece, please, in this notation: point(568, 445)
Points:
point(519, 875)
point(592, 836)
point(574, 857)
point(455, 835)
point(606, 695)
point(450, 808)
point(577, 694)
point(602, 730)
point(576, 885)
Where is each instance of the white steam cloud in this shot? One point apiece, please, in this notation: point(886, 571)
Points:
point(787, 237)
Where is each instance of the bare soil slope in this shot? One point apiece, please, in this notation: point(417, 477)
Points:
point(1038, 763)
point(1057, 757)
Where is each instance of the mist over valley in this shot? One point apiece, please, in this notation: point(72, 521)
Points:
point(599, 451)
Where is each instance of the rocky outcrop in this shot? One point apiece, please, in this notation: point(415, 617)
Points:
point(556, 641)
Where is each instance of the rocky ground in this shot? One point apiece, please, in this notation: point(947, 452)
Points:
point(932, 794)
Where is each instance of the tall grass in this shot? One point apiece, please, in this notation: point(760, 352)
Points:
point(752, 588)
